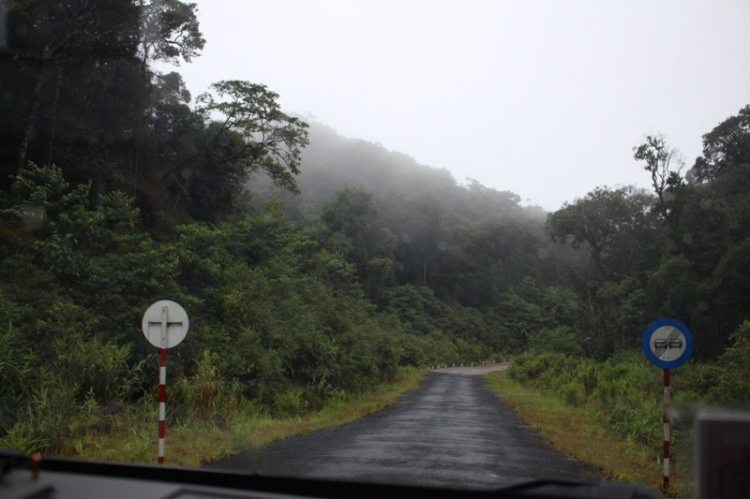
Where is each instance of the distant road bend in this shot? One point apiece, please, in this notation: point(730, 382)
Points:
point(451, 432)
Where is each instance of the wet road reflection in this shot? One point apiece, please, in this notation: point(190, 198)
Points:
point(451, 431)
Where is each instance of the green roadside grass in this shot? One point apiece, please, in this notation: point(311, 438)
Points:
point(577, 432)
point(196, 442)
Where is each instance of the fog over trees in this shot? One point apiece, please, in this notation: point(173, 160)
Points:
point(610, 262)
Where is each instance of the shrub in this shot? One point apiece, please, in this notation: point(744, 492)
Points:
point(734, 373)
point(205, 394)
point(627, 388)
point(290, 404)
point(52, 416)
point(572, 394)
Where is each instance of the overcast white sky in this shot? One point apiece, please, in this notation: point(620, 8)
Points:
point(545, 99)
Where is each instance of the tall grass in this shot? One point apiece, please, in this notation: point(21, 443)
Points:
point(624, 397)
point(208, 418)
point(576, 430)
point(625, 392)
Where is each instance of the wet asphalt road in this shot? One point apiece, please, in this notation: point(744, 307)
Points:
point(450, 432)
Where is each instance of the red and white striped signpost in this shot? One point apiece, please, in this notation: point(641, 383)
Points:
point(668, 344)
point(165, 324)
point(162, 402)
point(666, 429)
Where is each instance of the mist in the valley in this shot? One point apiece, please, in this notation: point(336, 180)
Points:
point(464, 241)
point(332, 162)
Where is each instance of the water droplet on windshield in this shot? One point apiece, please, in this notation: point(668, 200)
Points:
point(33, 217)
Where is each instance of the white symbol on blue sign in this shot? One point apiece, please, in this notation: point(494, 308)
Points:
point(668, 343)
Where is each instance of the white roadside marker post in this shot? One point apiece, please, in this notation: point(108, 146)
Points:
point(165, 324)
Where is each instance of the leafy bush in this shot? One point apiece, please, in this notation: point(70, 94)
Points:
point(204, 395)
point(572, 394)
point(17, 363)
point(100, 370)
point(626, 390)
point(734, 374)
point(51, 417)
point(290, 404)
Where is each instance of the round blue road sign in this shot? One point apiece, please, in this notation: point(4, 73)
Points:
point(668, 343)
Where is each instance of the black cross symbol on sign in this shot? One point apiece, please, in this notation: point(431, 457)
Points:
point(671, 341)
point(170, 323)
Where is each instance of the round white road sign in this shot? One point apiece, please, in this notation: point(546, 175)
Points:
point(667, 343)
point(165, 324)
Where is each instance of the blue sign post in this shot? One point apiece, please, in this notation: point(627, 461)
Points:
point(667, 343)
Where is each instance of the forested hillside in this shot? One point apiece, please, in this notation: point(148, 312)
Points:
point(585, 279)
point(310, 264)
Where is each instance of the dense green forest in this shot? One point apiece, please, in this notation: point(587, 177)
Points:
point(586, 279)
point(309, 263)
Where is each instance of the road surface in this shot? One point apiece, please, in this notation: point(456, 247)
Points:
point(450, 432)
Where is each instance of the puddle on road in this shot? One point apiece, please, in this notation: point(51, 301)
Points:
point(475, 370)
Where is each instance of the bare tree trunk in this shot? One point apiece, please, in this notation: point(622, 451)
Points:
point(31, 123)
point(53, 117)
point(425, 272)
point(135, 174)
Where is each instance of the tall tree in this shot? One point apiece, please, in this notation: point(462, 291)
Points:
point(726, 158)
point(45, 35)
point(660, 160)
point(170, 31)
point(607, 221)
point(271, 140)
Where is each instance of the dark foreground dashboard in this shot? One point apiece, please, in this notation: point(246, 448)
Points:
point(25, 478)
